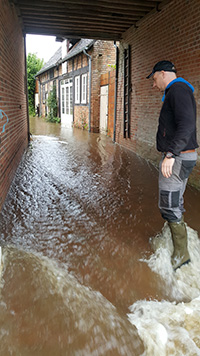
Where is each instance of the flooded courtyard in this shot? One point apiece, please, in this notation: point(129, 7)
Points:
point(79, 276)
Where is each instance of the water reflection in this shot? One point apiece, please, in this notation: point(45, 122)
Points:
point(90, 206)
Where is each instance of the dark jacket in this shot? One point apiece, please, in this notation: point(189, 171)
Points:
point(177, 121)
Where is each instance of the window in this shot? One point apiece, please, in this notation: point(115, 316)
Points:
point(64, 67)
point(67, 100)
point(71, 102)
point(51, 73)
point(84, 88)
point(77, 90)
point(63, 101)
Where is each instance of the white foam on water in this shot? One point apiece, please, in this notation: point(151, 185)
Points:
point(171, 328)
point(184, 283)
point(168, 329)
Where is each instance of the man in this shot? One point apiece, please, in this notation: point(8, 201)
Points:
point(176, 139)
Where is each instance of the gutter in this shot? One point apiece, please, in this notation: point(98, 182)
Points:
point(116, 82)
point(90, 84)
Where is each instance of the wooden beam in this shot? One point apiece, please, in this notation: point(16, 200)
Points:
point(88, 15)
point(81, 25)
point(94, 20)
point(104, 19)
point(108, 3)
point(65, 27)
point(129, 2)
point(75, 34)
point(84, 9)
point(100, 6)
point(73, 20)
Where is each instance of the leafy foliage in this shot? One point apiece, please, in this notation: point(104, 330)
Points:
point(56, 120)
point(34, 64)
point(52, 106)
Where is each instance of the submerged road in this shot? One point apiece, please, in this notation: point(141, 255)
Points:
point(75, 229)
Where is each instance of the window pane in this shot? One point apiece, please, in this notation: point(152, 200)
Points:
point(84, 89)
point(71, 106)
point(67, 100)
point(63, 101)
point(77, 90)
point(84, 80)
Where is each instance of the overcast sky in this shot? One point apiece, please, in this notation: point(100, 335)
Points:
point(43, 46)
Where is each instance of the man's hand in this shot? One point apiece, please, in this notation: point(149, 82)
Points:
point(167, 166)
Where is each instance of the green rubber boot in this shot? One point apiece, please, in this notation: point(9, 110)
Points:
point(180, 255)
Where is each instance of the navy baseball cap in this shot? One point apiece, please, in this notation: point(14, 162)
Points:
point(167, 66)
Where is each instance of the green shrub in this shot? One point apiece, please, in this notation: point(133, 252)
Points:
point(52, 106)
point(50, 118)
point(31, 111)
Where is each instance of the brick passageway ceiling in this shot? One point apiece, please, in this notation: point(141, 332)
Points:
point(98, 19)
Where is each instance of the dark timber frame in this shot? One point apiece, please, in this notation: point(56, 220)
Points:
point(102, 19)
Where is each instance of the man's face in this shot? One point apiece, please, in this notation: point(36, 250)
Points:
point(158, 81)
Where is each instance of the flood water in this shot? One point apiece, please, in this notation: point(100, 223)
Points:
point(79, 276)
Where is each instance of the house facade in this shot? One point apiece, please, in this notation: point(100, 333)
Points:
point(46, 79)
point(75, 70)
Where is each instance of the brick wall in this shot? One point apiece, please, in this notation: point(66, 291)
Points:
point(103, 55)
point(81, 115)
point(14, 140)
point(172, 34)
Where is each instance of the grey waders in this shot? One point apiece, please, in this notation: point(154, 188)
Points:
point(180, 255)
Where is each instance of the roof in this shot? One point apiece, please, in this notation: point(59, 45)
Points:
point(78, 48)
point(52, 62)
point(56, 59)
point(100, 19)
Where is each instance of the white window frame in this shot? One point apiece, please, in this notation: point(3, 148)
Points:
point(84, 89)
point(64, 67)
point(77, 89)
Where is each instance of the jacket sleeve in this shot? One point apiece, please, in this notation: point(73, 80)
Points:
point(184, 110)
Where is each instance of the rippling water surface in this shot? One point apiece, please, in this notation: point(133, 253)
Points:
point(75, 232)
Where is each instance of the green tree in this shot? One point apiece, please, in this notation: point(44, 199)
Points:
point(34, 64)
point(53, 106)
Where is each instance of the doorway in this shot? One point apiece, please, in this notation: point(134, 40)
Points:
point(104, 109)
point(66, 102)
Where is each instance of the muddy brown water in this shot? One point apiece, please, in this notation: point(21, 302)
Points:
point(75, 231)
